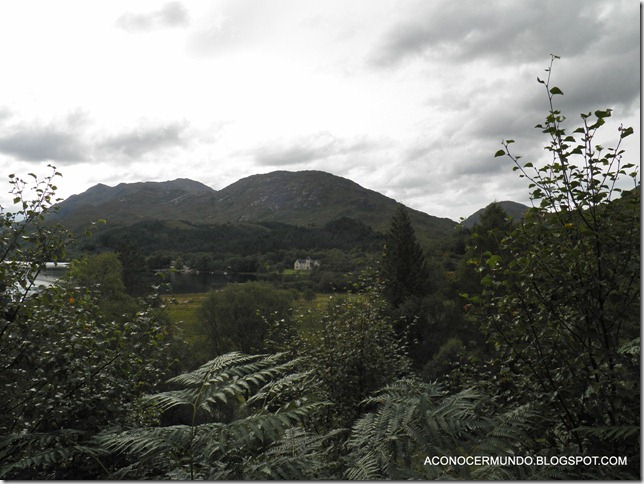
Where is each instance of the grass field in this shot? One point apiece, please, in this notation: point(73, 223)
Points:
point(183, 309)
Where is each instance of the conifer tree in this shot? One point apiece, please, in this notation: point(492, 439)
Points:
point(404, 267)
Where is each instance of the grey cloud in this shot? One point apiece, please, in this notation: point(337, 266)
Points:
point(462, 194)
point(138, 142)
point(172, 14)
point(612, 83)
point(522, 31)
point(42, 143)
point(444, 185)
point(5, 113)
point(231, 25)
point(481, 163)
point(292, 155)
point(513, 108)
point(474, 157)
point(499, 122)
point(318, 146)
point(411, 181)
point(72, 138)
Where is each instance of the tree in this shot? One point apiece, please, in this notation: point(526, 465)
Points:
point(26, 242)
point(101, 278)
point(136, 274)
point(419, 316)
point(355, 352)
point(404, 268)
point(485, 241)
point(562, 297)
point(66, 369)
point(491, 228)
point(241, 317)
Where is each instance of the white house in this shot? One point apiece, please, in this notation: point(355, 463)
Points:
point(305, 264)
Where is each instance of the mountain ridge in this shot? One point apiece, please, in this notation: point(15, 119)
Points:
point(101, 193)
point(128, 202)
point(302, 198)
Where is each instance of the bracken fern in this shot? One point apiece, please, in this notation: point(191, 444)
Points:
point(413, 420)
point(256, 391)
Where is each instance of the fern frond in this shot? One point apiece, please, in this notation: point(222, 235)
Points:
point(58, 456)
point(144, 442)
point(366, 468)
point(632, 347)
point(299, 455)
point(273, 393)
point(258, 429)
point(413, 420)
point(611, 433)
point(171, 399)
point(219, 449)
point(39, 451)
point(216, 365)
point(228, 377)
point(402, 390)
point(505, 433)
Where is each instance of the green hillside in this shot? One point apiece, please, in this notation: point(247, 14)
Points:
point(303, 199)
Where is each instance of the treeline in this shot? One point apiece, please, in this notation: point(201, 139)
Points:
point(343, 246)
point(241, 239)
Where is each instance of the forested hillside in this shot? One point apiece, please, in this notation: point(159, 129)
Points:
point(302, 199)
point(508, 350)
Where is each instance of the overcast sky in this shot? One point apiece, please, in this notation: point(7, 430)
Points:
point(408, 98)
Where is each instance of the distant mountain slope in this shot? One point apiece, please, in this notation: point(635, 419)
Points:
point(314, 198)
point(304, 198)
point(513, 209)
point(128, 203)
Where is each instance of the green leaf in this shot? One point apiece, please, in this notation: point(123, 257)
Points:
point(499, 153)
point(493, 260)
point(556, 90)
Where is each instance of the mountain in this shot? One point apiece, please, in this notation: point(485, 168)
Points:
point(314, 198)
point(513, 209)
point(127, 203)
point(303, 198)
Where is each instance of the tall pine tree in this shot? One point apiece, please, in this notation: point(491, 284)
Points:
point(404, 267)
